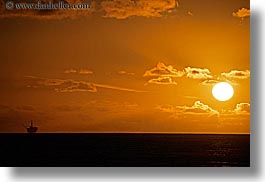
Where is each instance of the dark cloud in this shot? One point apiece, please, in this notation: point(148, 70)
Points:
point(119, 9)
point(4, 107)
point(47, 14)
point(122, 9)
point(60, 85)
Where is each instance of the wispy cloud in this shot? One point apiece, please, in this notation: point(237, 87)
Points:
point(243, 108)
point(217, 79)
point(163, 80)
point(237, 74)
point(241, 13)
point(209, 82)
point(122, 72)
point(197, 108)
point(76, 71)
point(28, 108)
point(117, 88)
point(76, 86)
point(190, 13)
point(60, 85)
point(69, 85)
point(240, 109)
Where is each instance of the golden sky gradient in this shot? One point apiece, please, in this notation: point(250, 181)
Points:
point(126, 66)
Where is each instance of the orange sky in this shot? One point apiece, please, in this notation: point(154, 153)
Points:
point(125, 66)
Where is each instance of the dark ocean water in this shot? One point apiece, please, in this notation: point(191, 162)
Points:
point(124, 150)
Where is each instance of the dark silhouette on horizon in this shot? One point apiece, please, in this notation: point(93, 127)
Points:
point(31, 128)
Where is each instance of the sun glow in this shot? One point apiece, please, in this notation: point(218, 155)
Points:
point(223, 91)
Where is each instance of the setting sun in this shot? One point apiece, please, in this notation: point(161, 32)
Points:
point(223, 91)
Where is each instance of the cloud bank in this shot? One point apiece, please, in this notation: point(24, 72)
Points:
point(122, 9)
point(164, 74)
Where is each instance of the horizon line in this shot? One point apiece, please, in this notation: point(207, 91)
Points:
point(192, 133)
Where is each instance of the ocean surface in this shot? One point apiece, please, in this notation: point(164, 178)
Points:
point(146, 150)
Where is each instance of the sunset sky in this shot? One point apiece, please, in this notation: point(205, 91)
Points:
point(126, 66)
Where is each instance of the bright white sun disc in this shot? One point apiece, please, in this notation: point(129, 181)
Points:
point(222, 91)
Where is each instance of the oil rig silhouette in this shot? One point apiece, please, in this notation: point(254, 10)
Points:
point(31, 128)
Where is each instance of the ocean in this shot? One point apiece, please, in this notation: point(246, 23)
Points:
point(125, 150)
